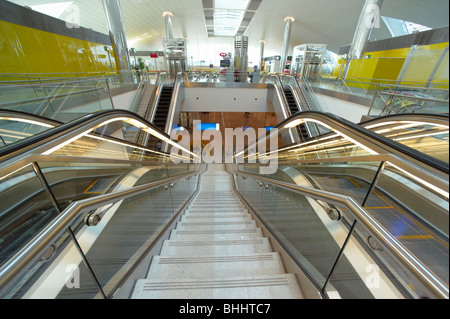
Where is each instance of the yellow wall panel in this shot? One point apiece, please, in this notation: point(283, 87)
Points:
point(27, 50)
point(424, 61)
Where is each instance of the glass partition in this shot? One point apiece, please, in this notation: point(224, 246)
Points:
point(25, 210)
point(429, 138)
point(334, 246)
point(91, 262)
point(15, 129)
point(63, 102)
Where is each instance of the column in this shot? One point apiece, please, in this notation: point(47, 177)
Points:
point(117, 34)
point(370, 18)
point(241, 57)
point(286, 43)
point(169, 28)
point(261, 54)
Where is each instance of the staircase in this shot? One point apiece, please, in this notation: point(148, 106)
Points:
point(145, 99)
point(216, 251)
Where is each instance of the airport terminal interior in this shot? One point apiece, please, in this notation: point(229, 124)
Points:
point(212, 149)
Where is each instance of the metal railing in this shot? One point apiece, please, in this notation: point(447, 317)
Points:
point(20, 263)
point(417, 269)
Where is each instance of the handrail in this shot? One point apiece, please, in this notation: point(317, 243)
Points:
point(13, 114)
point(17, 265)
point(426, 276)
point(370, 139)
point(413, 97)
point(38, 120)
point(45, 141)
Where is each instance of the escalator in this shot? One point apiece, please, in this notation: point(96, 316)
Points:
point(293, 109)
point(343, 162)
point(162, 110)
point(133, 200)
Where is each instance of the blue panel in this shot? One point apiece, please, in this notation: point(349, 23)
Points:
point(207, 126)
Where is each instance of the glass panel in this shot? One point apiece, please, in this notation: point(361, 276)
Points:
point(72, 181)
point(427, 138)
point(418, 221)
point(125, 232)
point(12, 131)
point(26, 210)
point(59, 277)
point(108, 142)
point(327, 145)
point(292, 220)
point(352, 179)
point(60, 101)
point(409, 99)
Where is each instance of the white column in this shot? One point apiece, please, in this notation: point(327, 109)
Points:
point(370, 18)
point(286, 43)
point(261, 53)
point(117, 34)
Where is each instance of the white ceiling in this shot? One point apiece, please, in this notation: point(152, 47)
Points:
point(331, 22)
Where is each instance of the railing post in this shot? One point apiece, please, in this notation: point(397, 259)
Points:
point(341, 252)
point(52, 197)
point(374, 182)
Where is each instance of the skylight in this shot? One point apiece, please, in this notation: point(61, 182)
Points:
point(227, 22)
point(399, 27)
point(232, 4)
point(54, 10)
point(415, 27)
point(229, 17)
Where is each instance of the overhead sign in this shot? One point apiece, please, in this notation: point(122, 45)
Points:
point(153, 55)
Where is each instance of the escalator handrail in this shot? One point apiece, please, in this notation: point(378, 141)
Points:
point(38, 140)
point(372, 138)
point(11, 114)
point(415, 266)
point(33, 250)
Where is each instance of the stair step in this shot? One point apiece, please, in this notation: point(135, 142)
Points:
point(215, 220)
point(215, 212)
point(215, 215)
point(215, 234)
point(215, 247)
point(217, 203)
point(217, 225)
point(254, 287)
point(215, 266)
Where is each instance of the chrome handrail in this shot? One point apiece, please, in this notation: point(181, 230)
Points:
point(58, 136)
point(22, 260)
point(378, 144)
point(417, 268)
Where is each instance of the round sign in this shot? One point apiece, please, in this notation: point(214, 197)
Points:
point(223, 55)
